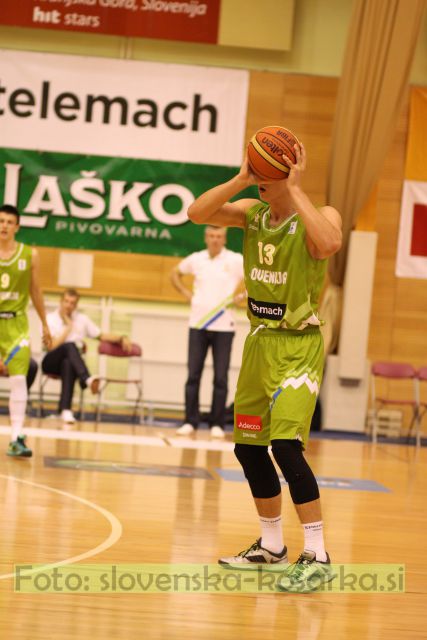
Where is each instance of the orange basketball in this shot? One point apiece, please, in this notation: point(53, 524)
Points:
point(265, 152)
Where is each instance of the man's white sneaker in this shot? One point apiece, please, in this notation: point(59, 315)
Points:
point(186, 430)
point(67, 416)
point(217, 432)
point(255, 557)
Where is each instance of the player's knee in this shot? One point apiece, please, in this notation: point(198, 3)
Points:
point(296, 471)
point(259, 470)
point(249, 455)
point(18, 387)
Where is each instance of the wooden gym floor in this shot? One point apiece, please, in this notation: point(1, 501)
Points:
point(145, 507)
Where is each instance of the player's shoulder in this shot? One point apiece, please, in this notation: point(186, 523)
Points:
point(241, 204)
point(248, 204)
point(255, 206)
point(254, 214)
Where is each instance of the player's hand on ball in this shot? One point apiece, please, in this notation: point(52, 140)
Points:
point(297, 168)
point(247, 174)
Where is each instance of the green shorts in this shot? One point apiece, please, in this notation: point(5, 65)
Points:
point(15, 344)
point(278, 385)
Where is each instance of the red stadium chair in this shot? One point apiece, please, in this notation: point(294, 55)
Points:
point(114, 350)
point(394, 371)
point(422, 397)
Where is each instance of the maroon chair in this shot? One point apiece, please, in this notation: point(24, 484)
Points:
point(114, 350)
point(394, 371)
point(422, 399)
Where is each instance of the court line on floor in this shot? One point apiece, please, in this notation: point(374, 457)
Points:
point(120, 438)
point(115, 534)
point(89, 436)
point(203, 445)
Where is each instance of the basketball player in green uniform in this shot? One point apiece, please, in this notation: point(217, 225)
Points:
point(286, 243)
point(19, 280)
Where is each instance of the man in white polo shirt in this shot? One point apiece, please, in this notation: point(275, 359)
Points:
point(69, 327)
point(218, 275)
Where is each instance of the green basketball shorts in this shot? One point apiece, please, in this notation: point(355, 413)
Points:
point(15, 344)
point(278, 385)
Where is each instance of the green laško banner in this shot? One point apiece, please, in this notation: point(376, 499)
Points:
point(109, 204)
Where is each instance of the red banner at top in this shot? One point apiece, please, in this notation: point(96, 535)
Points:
point(188, 21)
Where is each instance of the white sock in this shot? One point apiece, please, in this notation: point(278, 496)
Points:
point(313, 539)
point(17, 404)
point(272, 534)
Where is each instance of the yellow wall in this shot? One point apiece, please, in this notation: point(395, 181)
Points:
point(419, 65)
point(260, 25)
point(318, 39)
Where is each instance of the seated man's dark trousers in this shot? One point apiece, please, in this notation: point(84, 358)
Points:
point(65, 361)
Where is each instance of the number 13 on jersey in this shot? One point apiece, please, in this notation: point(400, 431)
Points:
point(266, 253)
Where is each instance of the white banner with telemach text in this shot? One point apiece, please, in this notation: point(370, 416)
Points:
point(122, 108)
point(109, 154)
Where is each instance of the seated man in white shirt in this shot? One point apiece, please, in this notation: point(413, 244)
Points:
point(69, 327)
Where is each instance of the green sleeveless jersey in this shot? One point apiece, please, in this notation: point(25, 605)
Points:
point(15, 280)
point(283, 281)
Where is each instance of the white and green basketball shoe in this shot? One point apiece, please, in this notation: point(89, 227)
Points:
point(256, 557)
point(306, 575)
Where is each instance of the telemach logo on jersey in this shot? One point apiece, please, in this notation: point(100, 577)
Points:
point(266, 310)
point(248, 423)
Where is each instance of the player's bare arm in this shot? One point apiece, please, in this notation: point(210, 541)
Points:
point(323, 226)
point(213, 206)
point(37, 298)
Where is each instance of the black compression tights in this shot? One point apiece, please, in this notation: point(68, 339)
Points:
point(261, 473)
